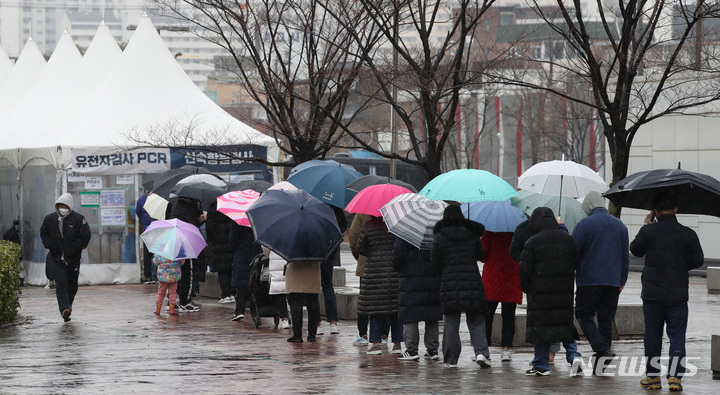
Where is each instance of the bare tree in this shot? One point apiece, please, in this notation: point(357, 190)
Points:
point(420, 66)
point(639, 59)
point(292, 59)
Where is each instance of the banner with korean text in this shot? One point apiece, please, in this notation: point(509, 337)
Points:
point(104, 161)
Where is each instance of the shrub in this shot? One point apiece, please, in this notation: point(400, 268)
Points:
point(10, 269)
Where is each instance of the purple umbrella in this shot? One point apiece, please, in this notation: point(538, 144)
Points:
point(174, 239)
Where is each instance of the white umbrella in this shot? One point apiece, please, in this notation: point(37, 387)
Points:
point(561, 178)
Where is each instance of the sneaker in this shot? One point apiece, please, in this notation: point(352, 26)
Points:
point(334, 330)
point(505, 355)
point(295, 339)
point(66, 315)
point(320, 330)
point(384, 339)
point(576, 367)
point(232, 298)
point(361, 341)
point(284, 324)
point(450, 365)
point(374, 350)
point(675, 384)
point(237, 317)
point(225, 300)
point(537, 372)
point(396, 349)
point(652, 383)
point(188, 308)
point(197, 306)
point(432, 355)
point(409, 356)
point(483, 361)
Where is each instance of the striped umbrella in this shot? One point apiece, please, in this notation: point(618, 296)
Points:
point(235, 205)
point(412, 217)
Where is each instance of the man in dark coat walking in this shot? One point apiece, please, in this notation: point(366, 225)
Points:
point(65, 233)
point(547, 276)
point(670, 250)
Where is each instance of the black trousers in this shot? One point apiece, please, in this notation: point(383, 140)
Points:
point(186, 282)
point(225, 282)
point(66, 284)
point(312, 303)
point(508, 322)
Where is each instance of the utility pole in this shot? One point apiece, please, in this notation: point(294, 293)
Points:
point(393, 137)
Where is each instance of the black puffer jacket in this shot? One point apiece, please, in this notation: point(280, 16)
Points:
point(456, 251)
point(245, 249)
point(419, 285)
point(186, 210)
point(670, 250)
point(547, 276)
point(520, 237)
point(379, 283)
point(217, 228)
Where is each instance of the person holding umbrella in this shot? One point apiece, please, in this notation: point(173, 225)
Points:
point(188, 210)
point(670, 250)
point(456, 250)
point(547, 275)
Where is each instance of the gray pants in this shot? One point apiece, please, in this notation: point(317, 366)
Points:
point(412, 336)
point(451, 336)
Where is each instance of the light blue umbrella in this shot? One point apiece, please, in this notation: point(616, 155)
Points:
point(494, 215)
point(468, 185)
point(325, 180)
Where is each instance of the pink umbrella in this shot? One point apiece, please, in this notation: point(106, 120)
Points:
point(369, 200)
point(235, 204)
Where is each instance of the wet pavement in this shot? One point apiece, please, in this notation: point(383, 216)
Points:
point(115, 344)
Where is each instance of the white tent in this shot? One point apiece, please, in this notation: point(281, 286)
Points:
point(148, 92)
point(100, 58)
point(89, 117)
point(27, 69)
point(6, 65)
point(55, 75)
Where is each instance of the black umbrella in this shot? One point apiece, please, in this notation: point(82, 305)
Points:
point(256, 185)
point(204, 187)
point(696, 193)
point(366, 181)
point(162, 183)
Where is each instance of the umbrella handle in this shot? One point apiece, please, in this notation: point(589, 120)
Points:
point(560, 200)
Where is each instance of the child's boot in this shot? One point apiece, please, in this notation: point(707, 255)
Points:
point(157, 309)
point(172, 309)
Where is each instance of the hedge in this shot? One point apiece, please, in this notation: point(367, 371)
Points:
point(10, 291)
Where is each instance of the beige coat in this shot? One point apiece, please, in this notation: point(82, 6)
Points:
point(303, 277)
point(353, 234)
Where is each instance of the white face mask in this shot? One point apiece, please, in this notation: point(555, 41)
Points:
point(64, 211)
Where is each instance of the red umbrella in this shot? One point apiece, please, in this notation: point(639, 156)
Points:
point(369, 200)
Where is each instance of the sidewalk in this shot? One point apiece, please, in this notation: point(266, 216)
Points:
point(115, 344)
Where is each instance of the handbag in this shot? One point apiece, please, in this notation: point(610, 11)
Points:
point(50, 267)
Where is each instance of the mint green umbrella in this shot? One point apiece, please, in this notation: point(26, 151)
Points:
point(468, 185)
point(571, 211)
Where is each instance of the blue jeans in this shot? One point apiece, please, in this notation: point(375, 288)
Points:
point(542, 354)
point(376, 328)
point(675, 317)
point(601, 301)
point(326, 276)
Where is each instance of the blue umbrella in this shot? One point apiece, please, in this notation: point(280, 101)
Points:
point(295, 225)
point(497, 216)
point(325, 180)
